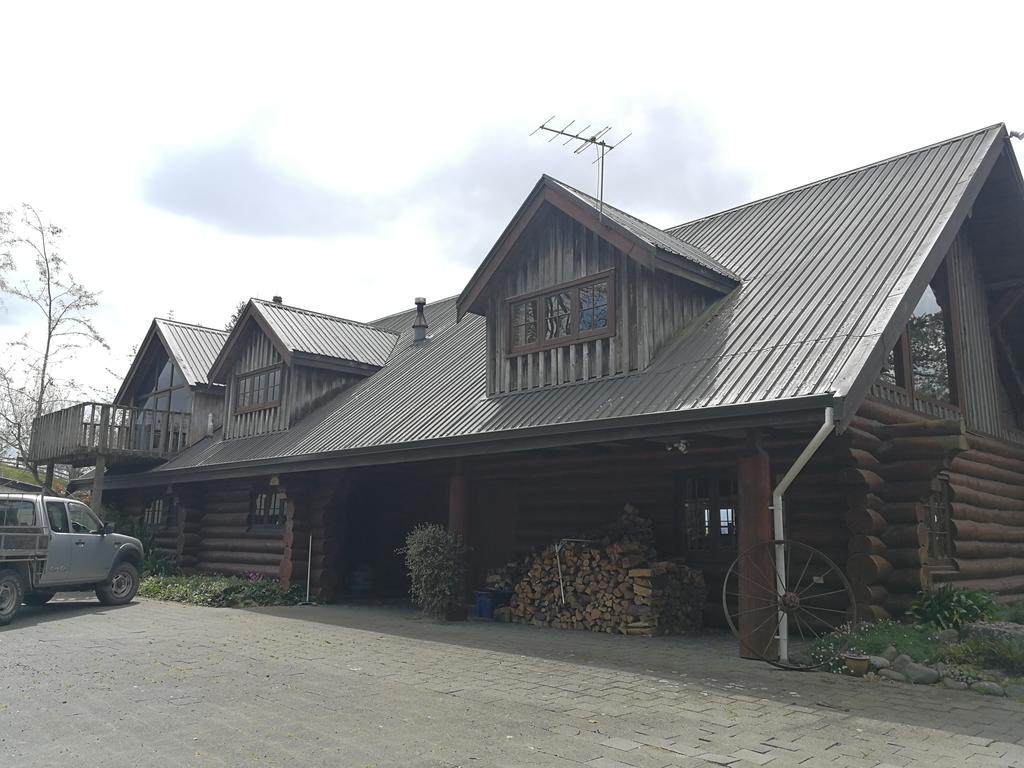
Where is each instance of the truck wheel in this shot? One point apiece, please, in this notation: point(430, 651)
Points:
point(10, 596)
point(122, 586)
point(38, 598)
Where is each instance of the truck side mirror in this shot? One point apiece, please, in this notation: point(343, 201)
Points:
point(107, 528)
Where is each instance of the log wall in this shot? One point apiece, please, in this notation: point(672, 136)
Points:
point(913, 456)
point(226, 544)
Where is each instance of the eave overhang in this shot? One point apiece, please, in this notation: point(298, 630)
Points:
point(798, 412)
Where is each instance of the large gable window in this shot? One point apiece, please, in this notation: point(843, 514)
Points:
point(258, 390)
point(928, 335)
point(576, 311)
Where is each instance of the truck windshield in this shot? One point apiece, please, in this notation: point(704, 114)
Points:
point(15, 514)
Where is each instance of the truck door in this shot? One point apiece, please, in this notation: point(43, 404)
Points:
point(58, 554)
point(93, 553)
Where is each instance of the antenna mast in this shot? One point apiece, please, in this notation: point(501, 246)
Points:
point(596, 140)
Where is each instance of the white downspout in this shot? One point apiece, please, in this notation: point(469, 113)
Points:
point(780, 522)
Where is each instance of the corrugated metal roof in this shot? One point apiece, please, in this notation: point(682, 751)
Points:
point(650, 234)
point(314, 333)
point(193, 347)
point(824, 269)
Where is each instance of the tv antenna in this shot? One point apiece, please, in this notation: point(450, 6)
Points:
point(597, 140)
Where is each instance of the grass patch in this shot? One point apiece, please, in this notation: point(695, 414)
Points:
point(987, 653)
point(918, 642)
point(1013, 613)
point(218, 591)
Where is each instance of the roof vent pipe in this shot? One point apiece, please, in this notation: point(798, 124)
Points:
point(419, 325)
point(278, 300)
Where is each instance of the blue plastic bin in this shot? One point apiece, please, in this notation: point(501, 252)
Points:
point(487, 601)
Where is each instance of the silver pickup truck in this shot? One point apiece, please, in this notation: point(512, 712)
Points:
point(50, 544)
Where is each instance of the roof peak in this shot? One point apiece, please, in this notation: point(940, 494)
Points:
point(315, 313)
point(197, 326)
point(841, 174)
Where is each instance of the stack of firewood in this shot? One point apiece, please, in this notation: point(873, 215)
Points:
point(612, 582)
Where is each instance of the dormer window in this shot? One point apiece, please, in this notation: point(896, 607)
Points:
point(580, 310)
point(259, 390)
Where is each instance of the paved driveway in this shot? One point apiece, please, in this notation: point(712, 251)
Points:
point(157, 684)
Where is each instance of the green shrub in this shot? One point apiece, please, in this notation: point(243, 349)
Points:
point(951, 607)
point(436, 561)
point(218, 591)
point(915, 641)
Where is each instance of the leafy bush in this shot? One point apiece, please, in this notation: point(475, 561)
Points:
point(218, 591)
point(436, 561)
point(952, 607)
point(156, 564)
point(915, 641)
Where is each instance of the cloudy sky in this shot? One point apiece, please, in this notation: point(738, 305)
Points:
point(349, 160)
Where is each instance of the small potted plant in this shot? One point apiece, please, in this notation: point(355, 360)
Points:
point(857, 663)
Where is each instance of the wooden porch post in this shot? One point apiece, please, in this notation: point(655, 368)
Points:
point(48, 479)
point(458, 516)
point(754, 523)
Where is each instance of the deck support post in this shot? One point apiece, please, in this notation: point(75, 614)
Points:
point(101, 461)
point(754, 526)
point(97, 485)
point(48, 478)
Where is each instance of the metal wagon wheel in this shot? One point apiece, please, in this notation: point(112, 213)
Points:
point(816, 599)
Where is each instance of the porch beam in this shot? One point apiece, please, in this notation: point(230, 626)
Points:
point(458, 515)
point(756, 621)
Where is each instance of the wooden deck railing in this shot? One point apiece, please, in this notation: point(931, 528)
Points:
point(78, 434)
point(898, 396)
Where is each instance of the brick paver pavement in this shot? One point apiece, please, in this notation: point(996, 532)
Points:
point(156, 684)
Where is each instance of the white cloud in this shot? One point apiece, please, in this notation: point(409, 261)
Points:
point(411, 122)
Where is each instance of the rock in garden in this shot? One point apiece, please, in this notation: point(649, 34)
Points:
point(1014, 690)
point(995, 630)
point(878, 663)
point(919, 674)
point(890, 653)
point(987, 688)
point(892, 674)
point(901, 662)
point(953, 684)
point(948, 636)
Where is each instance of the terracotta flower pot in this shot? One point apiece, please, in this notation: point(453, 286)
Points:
point(857, 664)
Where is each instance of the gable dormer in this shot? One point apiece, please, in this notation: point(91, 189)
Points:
point(574, 291)
point(281, 362)
point(169, 376)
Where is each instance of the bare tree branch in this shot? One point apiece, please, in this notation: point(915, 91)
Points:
point(28, 386)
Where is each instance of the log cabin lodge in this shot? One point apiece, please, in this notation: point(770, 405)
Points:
point(595, 360)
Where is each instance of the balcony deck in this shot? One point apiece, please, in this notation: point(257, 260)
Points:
point(80, 434)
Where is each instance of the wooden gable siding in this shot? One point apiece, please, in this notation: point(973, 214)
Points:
point(309, 388)
point(649, 308)
point(302, 389)
point(204, 405)
point(984, 402)
point(257, 353)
